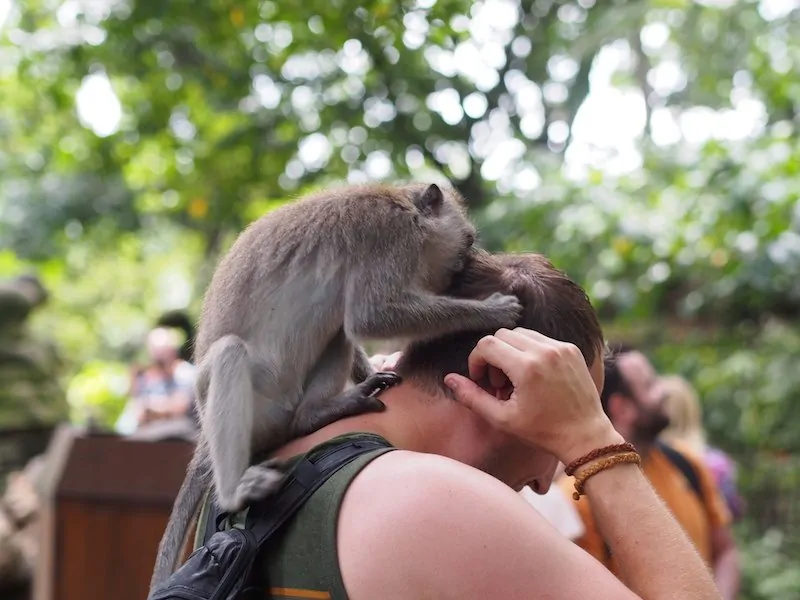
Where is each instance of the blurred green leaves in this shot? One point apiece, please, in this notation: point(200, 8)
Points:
point(649, 147)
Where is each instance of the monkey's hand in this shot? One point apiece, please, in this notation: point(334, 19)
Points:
point(507, 308)
point(258, 482)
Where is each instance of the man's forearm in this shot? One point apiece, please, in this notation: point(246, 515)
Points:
point(726, 573)
point(649, 546)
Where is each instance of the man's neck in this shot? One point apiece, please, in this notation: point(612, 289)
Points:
point(413, 420)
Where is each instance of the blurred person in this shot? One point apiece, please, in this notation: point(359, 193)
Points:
point(557, 508)
point(634, 398)
point(181, 321)
point(162, 393)
point(686, 431)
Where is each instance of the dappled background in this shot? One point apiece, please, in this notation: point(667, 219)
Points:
point(650, 148)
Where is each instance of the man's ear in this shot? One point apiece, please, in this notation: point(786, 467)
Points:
point(502, 393)
point(500, 390)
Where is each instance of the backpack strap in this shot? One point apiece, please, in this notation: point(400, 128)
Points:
point(684, 466)
point(306, 477)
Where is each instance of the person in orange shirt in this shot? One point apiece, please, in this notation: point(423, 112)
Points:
point(634, 399)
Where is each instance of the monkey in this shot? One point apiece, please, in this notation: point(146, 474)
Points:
point(284, 312)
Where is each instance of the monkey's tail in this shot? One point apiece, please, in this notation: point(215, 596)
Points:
point(184, 508)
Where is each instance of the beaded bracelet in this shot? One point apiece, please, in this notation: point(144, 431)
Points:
point(598, 453)
point(602, 465)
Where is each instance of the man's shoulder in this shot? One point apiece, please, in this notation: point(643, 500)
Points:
point(421, 477)
point(406, 510)
point(422, 524)
point(700, 478)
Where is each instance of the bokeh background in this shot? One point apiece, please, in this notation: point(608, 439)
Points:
point(649, 147)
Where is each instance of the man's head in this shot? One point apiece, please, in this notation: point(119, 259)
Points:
point(553, 305)
point(633, 395)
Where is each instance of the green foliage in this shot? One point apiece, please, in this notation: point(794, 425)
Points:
point(98, 392)
point(769, 573)
point(679, 211)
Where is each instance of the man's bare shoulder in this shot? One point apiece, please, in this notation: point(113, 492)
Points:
point(415, 525)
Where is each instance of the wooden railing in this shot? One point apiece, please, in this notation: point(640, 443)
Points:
point(106, 501)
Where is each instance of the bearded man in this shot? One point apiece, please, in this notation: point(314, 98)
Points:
point(634, 398)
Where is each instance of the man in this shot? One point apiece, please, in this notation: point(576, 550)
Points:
point(634, 399)
point(440, 517)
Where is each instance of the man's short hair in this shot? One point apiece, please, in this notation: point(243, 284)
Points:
point(615, 382)
point(553, 305)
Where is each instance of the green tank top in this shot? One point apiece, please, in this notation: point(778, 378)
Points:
point(302, 561)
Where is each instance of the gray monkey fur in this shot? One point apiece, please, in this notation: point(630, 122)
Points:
point(276, 340)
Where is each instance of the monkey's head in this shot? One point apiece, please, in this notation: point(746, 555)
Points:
point(449, 235)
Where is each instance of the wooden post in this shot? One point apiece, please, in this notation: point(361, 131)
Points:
point(105, 503)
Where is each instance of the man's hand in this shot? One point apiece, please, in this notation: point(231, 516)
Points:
point(385, 362)
point(554, 403)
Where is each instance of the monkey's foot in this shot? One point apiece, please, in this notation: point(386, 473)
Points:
point(359, 399)
point(379, 382)
point(257, 483)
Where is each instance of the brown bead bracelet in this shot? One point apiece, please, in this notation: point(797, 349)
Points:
point(601, 465)
point(598, 453)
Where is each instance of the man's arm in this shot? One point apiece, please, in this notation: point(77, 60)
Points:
point(591, 540)
point(418, 525)
point(726, 562)
point(724, 556)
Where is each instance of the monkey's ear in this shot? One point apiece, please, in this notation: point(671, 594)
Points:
point(430, 201)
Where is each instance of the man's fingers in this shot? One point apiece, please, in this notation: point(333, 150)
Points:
point(385, 362)
point(517, 339)
point(492, 351)
point(535, 336)
point(475, 398)
point(390, 362)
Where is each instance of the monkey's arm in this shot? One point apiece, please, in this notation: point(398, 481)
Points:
point(421, 316)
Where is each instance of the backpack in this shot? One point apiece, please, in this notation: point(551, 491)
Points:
point(221, 569)
point(684, 466)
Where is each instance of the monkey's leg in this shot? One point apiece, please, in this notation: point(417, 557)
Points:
point(317, 412)
point(425, 316)
point(261, 480)
point(228, 417)
point(323, 399)
point(319, 406)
